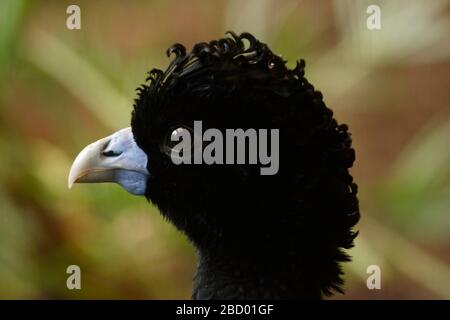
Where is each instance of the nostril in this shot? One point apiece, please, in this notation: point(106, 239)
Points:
point(111, 153)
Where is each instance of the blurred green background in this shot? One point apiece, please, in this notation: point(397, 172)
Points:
point(61, 89)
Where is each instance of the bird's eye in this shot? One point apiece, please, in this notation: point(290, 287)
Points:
point(177, 135)
point(174, 137)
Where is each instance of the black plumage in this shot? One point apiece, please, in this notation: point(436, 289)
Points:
point(279, 236)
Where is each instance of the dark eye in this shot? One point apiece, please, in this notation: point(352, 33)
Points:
point(111, 153)
point(173, 138)
point(176, 136)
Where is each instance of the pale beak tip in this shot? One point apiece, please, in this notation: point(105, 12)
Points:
point(70, 182)
point(72, 178)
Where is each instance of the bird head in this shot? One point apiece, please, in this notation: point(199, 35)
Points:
point(230, 83)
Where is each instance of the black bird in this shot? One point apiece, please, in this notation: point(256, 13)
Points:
point(278, 236)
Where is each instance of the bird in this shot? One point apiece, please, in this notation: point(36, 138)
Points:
point(279, 236)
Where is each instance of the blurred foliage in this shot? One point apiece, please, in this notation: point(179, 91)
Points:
point(62, 89)
point(11, 13)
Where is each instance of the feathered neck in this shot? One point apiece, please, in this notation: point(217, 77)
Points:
point(292, 274)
